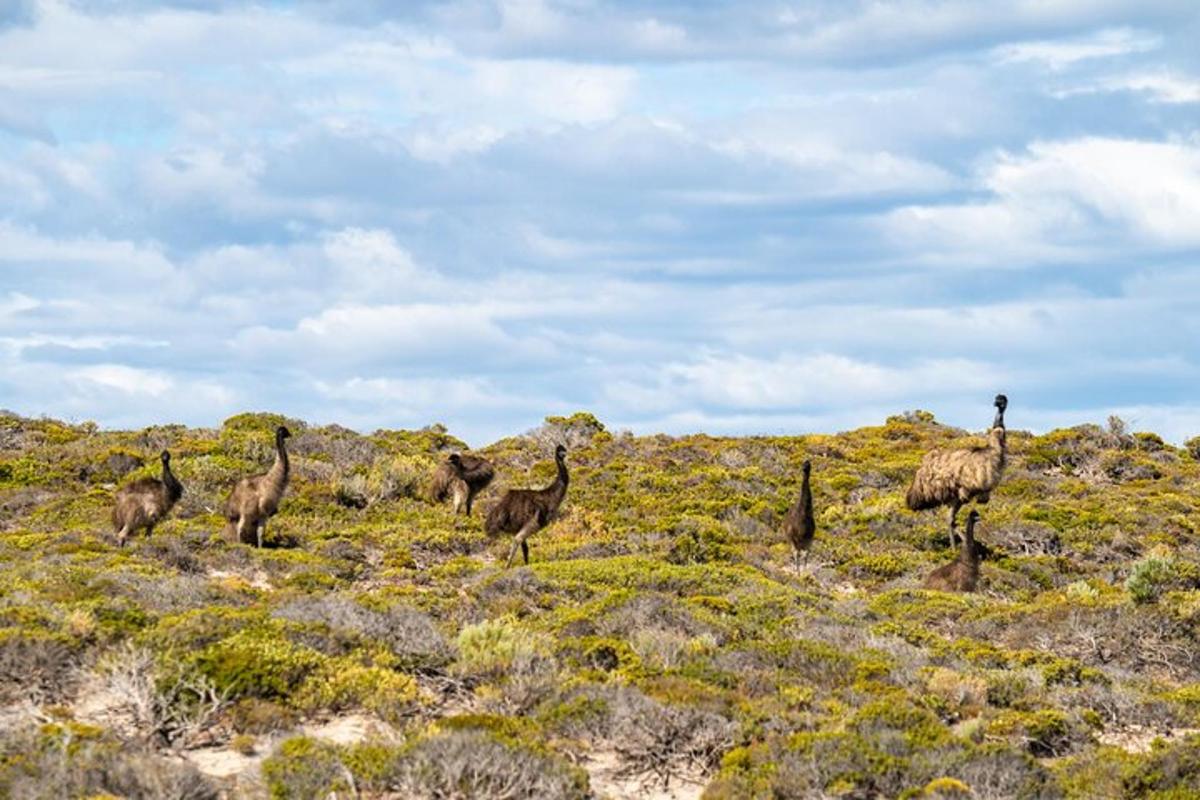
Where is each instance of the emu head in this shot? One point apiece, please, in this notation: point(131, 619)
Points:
point(165, 456)
point(282, 433)
point(1001, 403)
point(560, 452)
point(973, 517)
point(806, 466)
point(455, 461)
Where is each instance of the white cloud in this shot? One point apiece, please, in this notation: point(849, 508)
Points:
point(1060, 53)
point(1159, 87)
point(121, 378)
point(1067, 201)
point(792, 381)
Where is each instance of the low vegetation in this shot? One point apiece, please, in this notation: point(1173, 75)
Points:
point(661, 636)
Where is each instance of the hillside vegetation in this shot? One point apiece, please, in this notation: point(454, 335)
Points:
point(660, 641)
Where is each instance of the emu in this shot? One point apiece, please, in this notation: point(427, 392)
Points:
point(256, 498)
point(799, 525)
point(956, 477)
point(526, 511)
point(462, 476)
point(961, 574)
point(144, 502)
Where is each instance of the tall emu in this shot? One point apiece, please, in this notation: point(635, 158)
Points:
point(144, 502)
point(462, 476)
point(956, 477)
point(254, 499)
point(800, 524)
point(526, 511)
point(961, 574)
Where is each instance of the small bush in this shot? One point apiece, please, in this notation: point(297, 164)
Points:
point(72, 760)
point(302, 768)
point(1149, 578)
point(499, 647)
point(467, 764)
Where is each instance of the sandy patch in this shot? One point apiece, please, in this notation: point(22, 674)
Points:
point(604, 767)
point(1139, 738)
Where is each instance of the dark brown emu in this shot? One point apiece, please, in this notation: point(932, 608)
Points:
point(144, 502)
point(961, 574)
point(463, 477)
point(956, 477)
point(255, 499)
point(800, 525)
point(526, 511)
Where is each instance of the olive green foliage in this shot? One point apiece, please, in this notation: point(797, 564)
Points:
point(661, 626)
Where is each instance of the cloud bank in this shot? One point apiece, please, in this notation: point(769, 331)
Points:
point(791, 216)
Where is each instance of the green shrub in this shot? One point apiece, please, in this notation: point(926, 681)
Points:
point(302, 768)
point(1149, 578)
point(499, 646)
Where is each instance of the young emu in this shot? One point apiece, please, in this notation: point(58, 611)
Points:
point(799, 525)
point(961, 574)
point(144, 503)
point(256, 498)
point(462, 476)
point(526, 511)
point(956, 477)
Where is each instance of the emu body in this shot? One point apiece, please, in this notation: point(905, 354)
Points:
point(961, 574)
point(145, 502)
point(255, 499)
point(800, 525)
point(463, 477)
point(526, 511)
point(956, 477)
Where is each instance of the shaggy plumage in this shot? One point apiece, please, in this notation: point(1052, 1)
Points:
point(526, 511)
point(463, 476)
point(957, 477)
point(800, 525)
point(961, 574)
point(145, 502)
point(256, 498)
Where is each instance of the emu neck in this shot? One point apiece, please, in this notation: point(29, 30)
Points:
point(967, 554)
point(806, 501)
point(173, 486)
point(559, 487)
point(278, 474)
point(998, 422)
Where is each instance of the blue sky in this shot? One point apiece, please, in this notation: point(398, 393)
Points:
point(719, 216)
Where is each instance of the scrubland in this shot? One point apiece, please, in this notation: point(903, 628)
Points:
point(660, 643)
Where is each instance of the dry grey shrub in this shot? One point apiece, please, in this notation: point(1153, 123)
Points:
point(464, 765)
point(38, 669)
point(172, 709)
point(662, 742)
point(408, 633)
point(34, 767)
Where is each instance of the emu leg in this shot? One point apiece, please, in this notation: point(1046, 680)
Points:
point(243, 526)
point(470, 499)
point(459, 500)
point(954, 507)
point(261, 530)
point(523, 534)
point(122, 535)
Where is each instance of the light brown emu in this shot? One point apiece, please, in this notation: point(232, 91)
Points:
point(961, 574)
point(144, 502)
point(956, 477)
point(463, 476)
point(526, 511)
point(256, 498)
point(800, 525)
